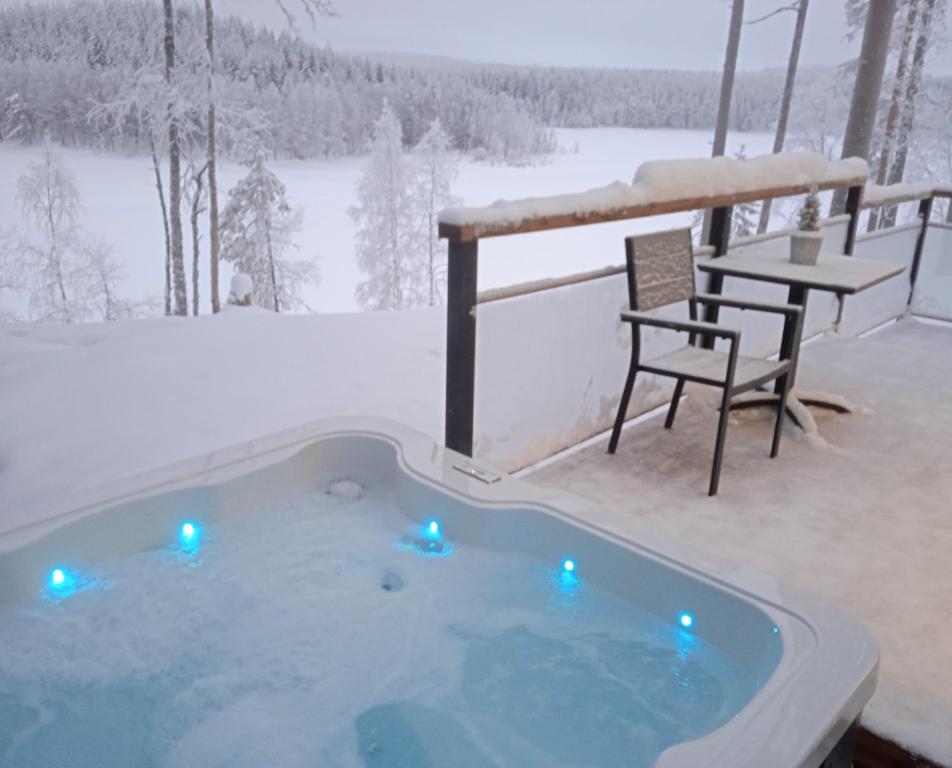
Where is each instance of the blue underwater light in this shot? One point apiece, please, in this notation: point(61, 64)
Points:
point(433, 529)
point(61, 583)
point(568, 566)
point(189, 535)
point(686, 620)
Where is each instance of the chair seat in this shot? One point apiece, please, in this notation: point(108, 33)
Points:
point(708, 366)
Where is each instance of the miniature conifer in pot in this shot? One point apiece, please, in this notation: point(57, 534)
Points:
point(805, 244)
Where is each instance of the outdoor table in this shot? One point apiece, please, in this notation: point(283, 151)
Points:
point(842, 275)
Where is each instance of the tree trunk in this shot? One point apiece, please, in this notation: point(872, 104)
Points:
point(274, 277)
point(727, 90)
point(909, 105)
point(165, 227)
point(899, 83)
point(175, 175)
point(195, 213)
point(214, 238)
point(869, 83)
point(787, 99)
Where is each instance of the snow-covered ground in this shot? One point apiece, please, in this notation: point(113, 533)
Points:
point(863, 520)
point(121, 206)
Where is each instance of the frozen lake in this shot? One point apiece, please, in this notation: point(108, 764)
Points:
point(121, 207)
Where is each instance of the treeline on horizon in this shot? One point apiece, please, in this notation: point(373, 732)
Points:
point(58, 61)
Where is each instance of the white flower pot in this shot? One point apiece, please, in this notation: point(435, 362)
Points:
point(805, 247)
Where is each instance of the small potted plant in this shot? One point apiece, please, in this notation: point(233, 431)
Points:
point(805, 244)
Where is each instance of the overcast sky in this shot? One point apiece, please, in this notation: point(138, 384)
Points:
point(661, 34)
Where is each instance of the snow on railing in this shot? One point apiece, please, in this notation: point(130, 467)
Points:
point(876, 195)
point(662, 186)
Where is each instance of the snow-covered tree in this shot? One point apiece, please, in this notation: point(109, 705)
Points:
point(434, 172)
point(256, 229)
point(12, 275)
point(49, 198)
point(68, 276)
point(102, 273)
point(387, 249)
point(16, 120)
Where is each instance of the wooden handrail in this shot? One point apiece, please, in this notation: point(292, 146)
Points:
point(477, 231)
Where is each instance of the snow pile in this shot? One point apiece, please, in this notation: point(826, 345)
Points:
point(684, 179)
point(241, 289)
point(886, 194)
point(665, 181)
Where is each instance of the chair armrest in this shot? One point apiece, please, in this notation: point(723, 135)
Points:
point(684, 326)
point(791, 310)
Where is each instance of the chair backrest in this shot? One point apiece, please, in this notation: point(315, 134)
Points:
point(660, 268)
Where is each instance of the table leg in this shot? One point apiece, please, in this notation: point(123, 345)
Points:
point(792, 332)
point(715, 286)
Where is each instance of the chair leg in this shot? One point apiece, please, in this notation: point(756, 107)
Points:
point(673, 408)
point(623, 406)
point(781, 413)
point(719, 445)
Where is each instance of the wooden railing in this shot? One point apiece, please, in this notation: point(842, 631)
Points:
point(463, 228)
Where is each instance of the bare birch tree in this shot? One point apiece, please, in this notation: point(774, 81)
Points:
point(792, 63)
point(869, 82)
point(892, 115)
point(179, 289)
point(197, 196)
point(907, 120)
point(214, 236)
point(727, 90)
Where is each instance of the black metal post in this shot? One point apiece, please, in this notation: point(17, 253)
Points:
point(461, 344)
point(842, 754)
point(853, 198)
point(925, 211)
point(719, 237)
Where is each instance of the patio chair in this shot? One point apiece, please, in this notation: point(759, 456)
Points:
point(660, 274)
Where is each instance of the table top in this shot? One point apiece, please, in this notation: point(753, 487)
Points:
point(840, 274)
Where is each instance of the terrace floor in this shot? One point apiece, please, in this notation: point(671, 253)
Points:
point(863, 516)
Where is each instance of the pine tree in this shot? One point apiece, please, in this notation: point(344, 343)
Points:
point(256, 229)
point(16, 121)
point(385, 240)
point(434, 172)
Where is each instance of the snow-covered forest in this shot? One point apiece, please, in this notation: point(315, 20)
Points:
point(133, 78)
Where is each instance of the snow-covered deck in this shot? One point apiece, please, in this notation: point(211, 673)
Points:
point(862, 516)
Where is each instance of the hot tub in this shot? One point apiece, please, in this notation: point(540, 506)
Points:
point(350, 594)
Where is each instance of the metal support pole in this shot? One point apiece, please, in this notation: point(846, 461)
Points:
point(719, 237)
point(461, 344)
point(925, 211)
point(853, 199)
